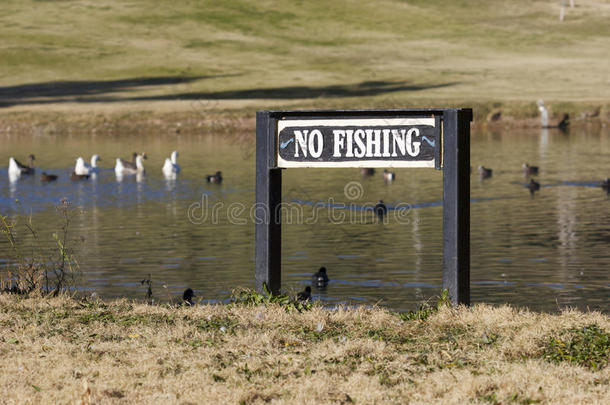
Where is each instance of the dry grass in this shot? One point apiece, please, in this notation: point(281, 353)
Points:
point(65, 351)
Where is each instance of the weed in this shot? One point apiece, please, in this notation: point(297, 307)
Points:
point(252, 298)
point(588, 346)
point(426, 310)
point(49, 272)
point(149, 293)
point(224, 324)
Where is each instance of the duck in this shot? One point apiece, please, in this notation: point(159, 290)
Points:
point(77, 177)
point(533, 186)
point(485, 172)
point(564, 123)
point(367, 171)
point(16, 168)
point(187, 298)
point(171, 168)
point(380, 209)
point(605, 185)
point(529, 170)
point(45, 177)
point(136, 166)
point(388, 176)
point(305, 295)
point(214, 178)
point(320, 278)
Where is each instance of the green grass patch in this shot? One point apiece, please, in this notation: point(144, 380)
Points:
point(588, 346)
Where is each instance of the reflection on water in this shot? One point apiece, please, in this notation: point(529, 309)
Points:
point(546, 252)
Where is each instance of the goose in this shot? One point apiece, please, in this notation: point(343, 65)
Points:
point(305, 295)
point(124, 167)
point(16, 168)
point(93, 167)
point(367, 171)
point(171, 168)
point(320, 279)
point(214, 178)
point(380, 209)
point(81, 167)
point(484, 172)
point(533, 186)
point(45, 177)
point(605, 185)
point(76, 177)
point(388, 176)
point(529, 170)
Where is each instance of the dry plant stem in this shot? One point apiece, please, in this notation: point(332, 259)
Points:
point(35, 268)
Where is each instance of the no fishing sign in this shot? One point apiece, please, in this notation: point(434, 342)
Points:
point(359, 142)
point(436, 138)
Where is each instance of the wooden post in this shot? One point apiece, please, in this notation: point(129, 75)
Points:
point(456, 204)
point(268, 232)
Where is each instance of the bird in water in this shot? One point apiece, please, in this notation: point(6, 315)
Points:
point(77, 177)
point(81, 168)
point(564, 123)
point(484, 172)
point(171, 167)
point(529, 170)
point(93, 167)
point(388, 176)
point(134, 167)
point(367, 171)
point(533, 186)
point(305, 295)
point(187, 298)
point(45, 177)
point(214, 178)
point(320, 279)
point(16, 168)
point(380, 209)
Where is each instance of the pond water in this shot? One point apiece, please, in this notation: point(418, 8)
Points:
point(546, 252)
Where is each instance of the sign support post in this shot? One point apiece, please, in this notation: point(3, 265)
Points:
point(365, 138)
point(268, 232)
point(456, 204)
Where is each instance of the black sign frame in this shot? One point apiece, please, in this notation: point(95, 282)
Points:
point(452, 155)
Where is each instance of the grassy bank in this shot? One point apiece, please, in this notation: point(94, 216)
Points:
point(201, 117)
point(109, 57)
point(62, 350)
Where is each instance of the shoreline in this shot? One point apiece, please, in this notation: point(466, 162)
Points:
point(222, 116)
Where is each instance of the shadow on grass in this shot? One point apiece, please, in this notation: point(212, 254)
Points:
point(86, 90)
point(98, 91)
point(369, 88)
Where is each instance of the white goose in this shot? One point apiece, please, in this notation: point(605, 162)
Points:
point(171, 168)
point(81, 168)
point(16, 168)
point(94, 159)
